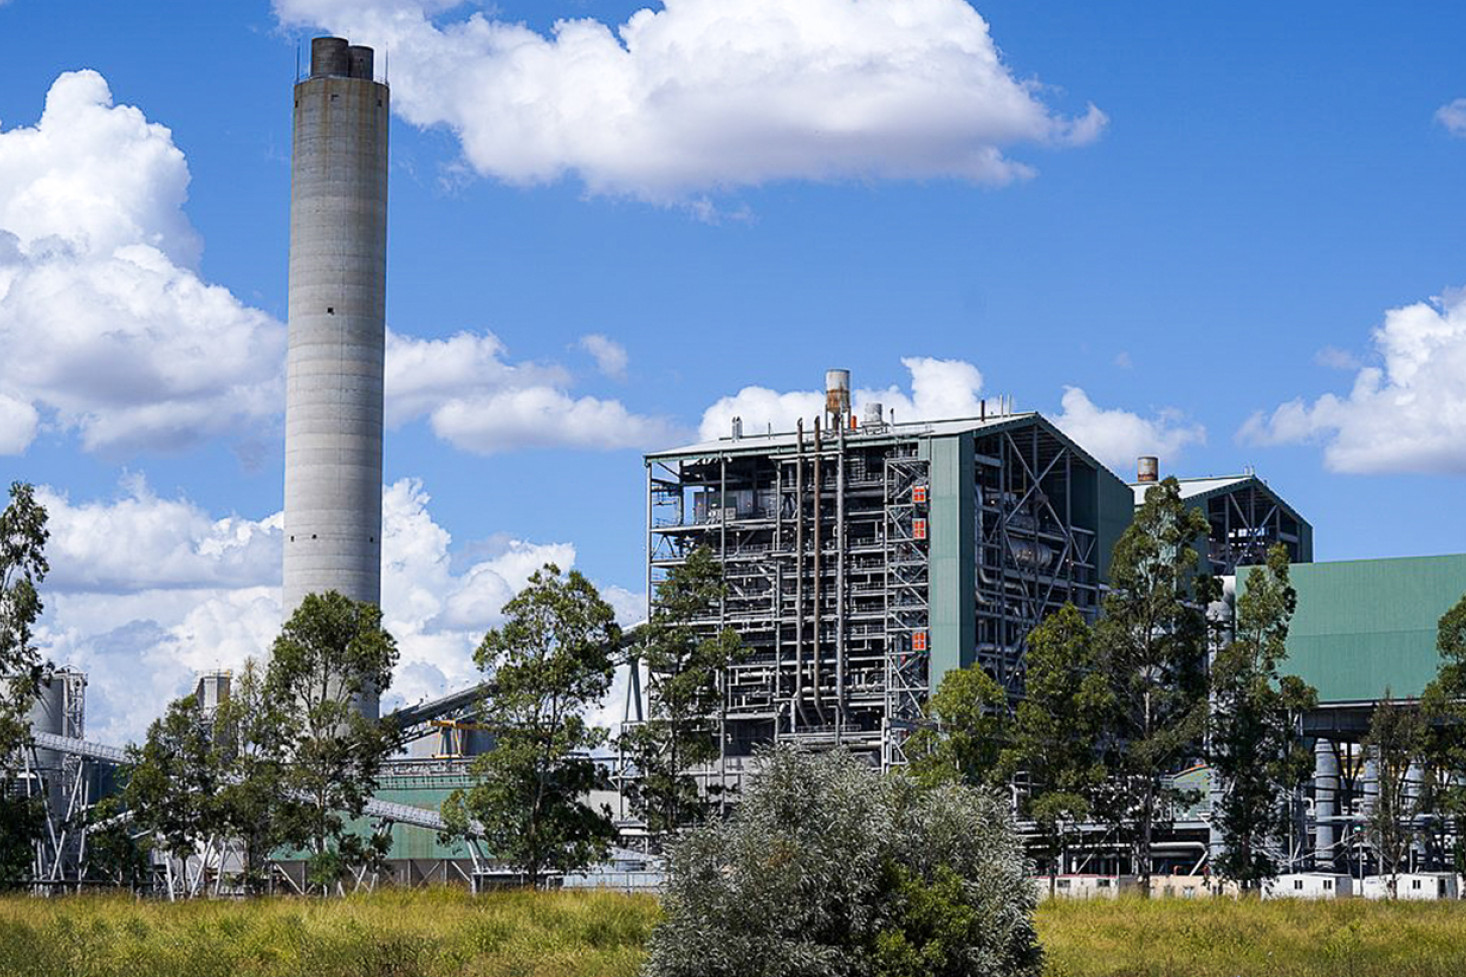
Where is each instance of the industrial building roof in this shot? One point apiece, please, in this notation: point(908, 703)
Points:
point(1197, 488)
point(758, 444)
point(1365, 629)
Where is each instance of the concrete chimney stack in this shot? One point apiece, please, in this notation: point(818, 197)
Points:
point(337, 337)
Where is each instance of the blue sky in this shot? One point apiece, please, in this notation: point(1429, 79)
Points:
point(1229, 232)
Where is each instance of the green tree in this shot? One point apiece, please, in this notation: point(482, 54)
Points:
point(551, 660)
point(202, 776)
point(965, 733)
point(1443, 709)
point(1061, 736)
point(23, 567)
point(331, 652)
point(1257, 748)
point(253, 797)
point(827, 868)
point(117, 851)
point(22, 822)
point(1397, 732)
point(1152, 646)
point(680, 731)
point(173, 781)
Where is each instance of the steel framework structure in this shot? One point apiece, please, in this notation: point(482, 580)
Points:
point(826, 540)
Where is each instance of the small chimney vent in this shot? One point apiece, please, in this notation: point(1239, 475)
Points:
point(1148, 469)
point(837, 395)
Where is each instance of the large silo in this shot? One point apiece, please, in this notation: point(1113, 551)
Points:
point(338, 266)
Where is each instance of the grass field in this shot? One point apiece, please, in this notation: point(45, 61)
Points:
point(1224, 937)
point(443, 932)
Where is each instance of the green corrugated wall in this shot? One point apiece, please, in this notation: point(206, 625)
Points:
point(1116, 512)
point(409, 841)
point(1367, 627)
point(952, 557)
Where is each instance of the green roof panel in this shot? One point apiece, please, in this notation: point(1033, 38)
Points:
point(1367, 628)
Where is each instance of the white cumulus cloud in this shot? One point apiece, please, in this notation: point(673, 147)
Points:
point(145, 592)
point(704, 95)
point(18, 424)
point(1117, 437)
point(478, 402)
point(1405, 412)
point(123, 341)
point(939, 389)
point(1453, 116)
point(951, 389)
point(142, 542)
point(610, 356)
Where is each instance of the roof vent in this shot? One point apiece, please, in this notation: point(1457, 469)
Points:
point(1148, 469)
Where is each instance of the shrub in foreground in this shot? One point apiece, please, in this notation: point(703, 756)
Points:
point(827, 868)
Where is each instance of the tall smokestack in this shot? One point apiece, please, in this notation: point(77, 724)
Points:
point(338, 275)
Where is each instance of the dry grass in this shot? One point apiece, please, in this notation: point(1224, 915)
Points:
point(387, 934)
point(442, 932)
point(1225, 937)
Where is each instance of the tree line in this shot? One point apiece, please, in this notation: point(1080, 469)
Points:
point(1165, 678)
point(1111, 710)
point(284, 764)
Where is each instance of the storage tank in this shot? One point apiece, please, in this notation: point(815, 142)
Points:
point(59, 710)
point(48, 715)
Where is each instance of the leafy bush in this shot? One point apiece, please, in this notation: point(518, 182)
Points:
point(826, 868)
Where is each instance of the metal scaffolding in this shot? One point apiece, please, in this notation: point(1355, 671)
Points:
point(826, 536)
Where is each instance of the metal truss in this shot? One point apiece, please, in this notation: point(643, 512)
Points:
point(908, 609)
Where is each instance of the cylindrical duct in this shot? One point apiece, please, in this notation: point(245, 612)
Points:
point(338, 273)
point(1325, 805)
point(1148, 469)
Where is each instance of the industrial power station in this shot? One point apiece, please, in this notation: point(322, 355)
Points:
point(863, 560)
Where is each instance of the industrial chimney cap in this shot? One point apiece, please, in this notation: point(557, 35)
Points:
point(336, 57)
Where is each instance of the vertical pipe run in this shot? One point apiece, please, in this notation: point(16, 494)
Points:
point(1325, 805)
point(796, 714)
point(840, 585)
point(722, 624)
point(819, 464)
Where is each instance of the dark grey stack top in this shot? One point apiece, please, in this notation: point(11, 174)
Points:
point(335, 57)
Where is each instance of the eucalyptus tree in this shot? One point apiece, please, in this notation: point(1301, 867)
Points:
point(23, 568)
point(683, 664)
point(1061, 741)
point(1443, 709)
point(965, 734)
point(173, 781)
point(1151, 644)
point(330, 652)
point(1396, 739)
point(551, 661)
point(1257, 750)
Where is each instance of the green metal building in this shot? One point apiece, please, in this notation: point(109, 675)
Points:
point(1246, 518)
point(1366, 629)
